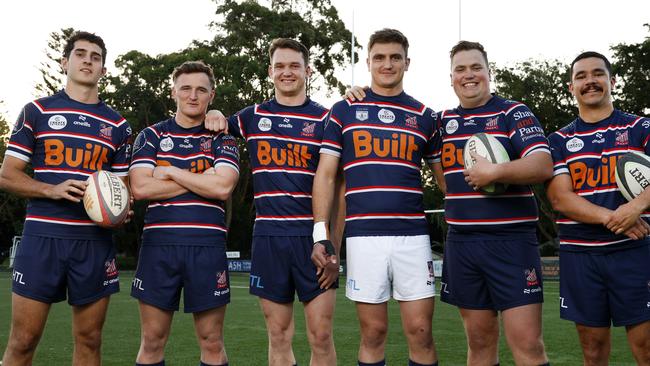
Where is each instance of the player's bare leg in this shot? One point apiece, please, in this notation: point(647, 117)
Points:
point(28, 318)
point(638, 336)
point(416, 322)
point(87, 323)
point(523, 328)
point(595, 343)
point(155, 325)
point(319, 313)
point(209, 332)
point(280, 329)
point(482, 332)
point(373, 321)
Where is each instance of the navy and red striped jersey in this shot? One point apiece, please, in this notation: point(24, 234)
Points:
point(187, 219)
point(65, 139)
point(588, 153)
point(381, 142)
point(283, 143)
point(519, 131)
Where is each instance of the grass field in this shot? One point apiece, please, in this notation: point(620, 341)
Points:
point(246, 336)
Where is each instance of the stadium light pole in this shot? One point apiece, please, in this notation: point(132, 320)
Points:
point(352, 50)
point(459, 19)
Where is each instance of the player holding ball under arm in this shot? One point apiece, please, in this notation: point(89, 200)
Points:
point(604, 248)
point(491, 261)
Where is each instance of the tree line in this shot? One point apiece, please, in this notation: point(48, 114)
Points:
point(139, 90)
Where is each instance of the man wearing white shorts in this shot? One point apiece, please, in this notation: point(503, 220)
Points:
point(380, 143)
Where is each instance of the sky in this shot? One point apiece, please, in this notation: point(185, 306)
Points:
point(510, 30)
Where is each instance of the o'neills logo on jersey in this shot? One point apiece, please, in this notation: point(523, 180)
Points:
point(601, 174)
point(57, 122)
point(294, 155)
point(575, 144)
point(399, 145)
point(451, 126)
point(386, 116)
point(264, 124)
point(92, 156)
point(166, 144)
point(622, 138)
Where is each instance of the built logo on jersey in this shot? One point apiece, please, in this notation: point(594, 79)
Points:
point(451, 126)
point(166, 144)
point(575, 144)
point(399, 145)
point(308, 129)
point(600, 174)
point(386, 116)
point(57, 122)
point(264, 124)
point(361, 114)
point(91, 156)
point(293, 155)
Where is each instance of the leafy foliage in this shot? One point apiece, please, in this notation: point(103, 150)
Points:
point(632, 68)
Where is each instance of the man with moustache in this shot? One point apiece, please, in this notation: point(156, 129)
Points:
point(604, 248)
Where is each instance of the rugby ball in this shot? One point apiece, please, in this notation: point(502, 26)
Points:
point(106, 199)
point(490, 148)
point(632, 174)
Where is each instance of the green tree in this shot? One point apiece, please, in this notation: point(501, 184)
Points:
point(542, 86)
point(632, 67)
point(140, 89)
point(51, 71)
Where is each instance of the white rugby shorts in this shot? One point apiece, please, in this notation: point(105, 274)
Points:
point(381, 266)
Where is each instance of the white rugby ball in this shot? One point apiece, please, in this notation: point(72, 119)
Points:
point(632, 174)
point(490, 148)
point(106, 199)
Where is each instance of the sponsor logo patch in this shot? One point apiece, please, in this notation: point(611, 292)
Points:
point(166, 144)
point(362, 114)
point(264, 124)
point(386, 115)
point(57, 122)
point(575, 144)
point(451, 126)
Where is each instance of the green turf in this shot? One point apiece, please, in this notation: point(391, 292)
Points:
point(246, 336)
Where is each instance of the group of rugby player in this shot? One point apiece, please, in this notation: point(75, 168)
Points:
point(315, 172)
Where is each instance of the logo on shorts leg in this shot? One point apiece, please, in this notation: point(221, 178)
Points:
point(111, 272)
point(222, 284)
point(137, 284)
point(431, 276)
point(17, 277)
point(531, 280)
point(352, 285)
